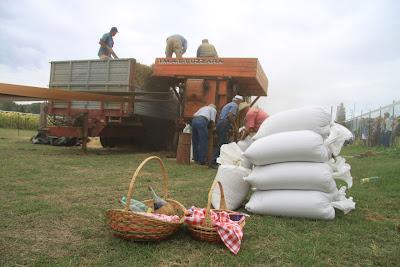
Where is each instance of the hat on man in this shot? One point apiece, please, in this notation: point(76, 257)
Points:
point(114, 29)
point(213, 106)
point(238, 97)
point(243, 105)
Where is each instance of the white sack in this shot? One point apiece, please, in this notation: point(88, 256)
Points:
point(235, 188)
point(312, 118)
point(293, 176)
point(300, 203)
point(288, 146)
point(338, 135)
point(231, 154)
point(244, 144)
point(187, 129)
point(341, 170)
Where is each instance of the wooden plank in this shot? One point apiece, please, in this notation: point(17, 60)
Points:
point(41, 93)
point(262, 78)
point(235, 68)
point(212, 92)
point(67, 131)
point(194, 96)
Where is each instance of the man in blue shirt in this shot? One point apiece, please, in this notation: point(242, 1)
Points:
point(106, 44)
point(226, 121)
point(176, 44)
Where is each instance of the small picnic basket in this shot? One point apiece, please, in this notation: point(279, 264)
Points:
point(206, 231)
point(137, 226)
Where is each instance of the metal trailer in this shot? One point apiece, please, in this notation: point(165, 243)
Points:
point(138, 121)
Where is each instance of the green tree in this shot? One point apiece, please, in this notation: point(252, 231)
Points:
point(7, 105)
point(33, 108)
point(341, 114)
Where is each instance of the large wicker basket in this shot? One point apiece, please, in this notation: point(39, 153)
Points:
point(206, 231)
point(135, 226)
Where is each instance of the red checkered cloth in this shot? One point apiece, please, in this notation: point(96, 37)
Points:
point(230, 231)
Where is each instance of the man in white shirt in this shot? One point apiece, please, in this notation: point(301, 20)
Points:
point(387, 129)
point(202, 120)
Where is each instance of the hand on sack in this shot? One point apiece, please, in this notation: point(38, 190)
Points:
point(243, 134)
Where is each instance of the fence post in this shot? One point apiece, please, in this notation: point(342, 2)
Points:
point(84, 132)
point(369, 130)
point(361, 127)
point(43, 116)
point(18, 125)
point(380, 126)
point(354, 120)
point(392, 139)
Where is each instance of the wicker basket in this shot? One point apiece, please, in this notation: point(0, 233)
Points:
point(206, 231)
point(135, 226)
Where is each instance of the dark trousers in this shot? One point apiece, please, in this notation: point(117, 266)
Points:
point(386, 138)
point(200, 139)
point(223, 127)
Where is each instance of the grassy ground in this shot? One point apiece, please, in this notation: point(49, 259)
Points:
point(53, 201)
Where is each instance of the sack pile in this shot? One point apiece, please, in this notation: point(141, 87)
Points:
point(233, 168)
point(296, 158)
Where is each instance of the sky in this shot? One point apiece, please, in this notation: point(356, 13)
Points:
point(313, 52)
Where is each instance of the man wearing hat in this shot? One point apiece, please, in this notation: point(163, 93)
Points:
point(226, 121)
point(202, 120)
point(206, 49)
point(106, 44)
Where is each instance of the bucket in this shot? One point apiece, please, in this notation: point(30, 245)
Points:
point(183, 151)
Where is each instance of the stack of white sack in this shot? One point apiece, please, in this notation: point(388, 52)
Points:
point(294, 173)
point(312, 118)
point(233, 168)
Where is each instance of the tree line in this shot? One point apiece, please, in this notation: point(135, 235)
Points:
point(7, 105)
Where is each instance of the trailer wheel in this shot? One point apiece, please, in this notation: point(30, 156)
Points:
point(107, 141)
point(103, 141)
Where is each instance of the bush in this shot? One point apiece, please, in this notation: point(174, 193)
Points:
point(17, 120)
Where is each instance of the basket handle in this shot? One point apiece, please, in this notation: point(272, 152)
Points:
point(132, 184)
point(222, 203)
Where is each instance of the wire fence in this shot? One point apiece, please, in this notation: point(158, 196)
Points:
point(379, 127)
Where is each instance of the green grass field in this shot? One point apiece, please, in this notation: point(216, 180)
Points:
point(53, 202)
